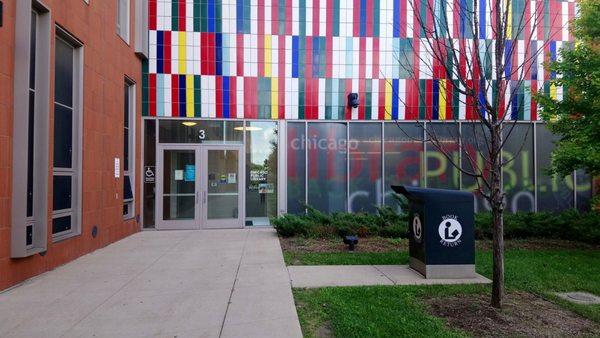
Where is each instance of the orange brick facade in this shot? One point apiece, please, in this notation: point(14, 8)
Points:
point(107, 61)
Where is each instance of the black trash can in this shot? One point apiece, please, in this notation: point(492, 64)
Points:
point(441, 227)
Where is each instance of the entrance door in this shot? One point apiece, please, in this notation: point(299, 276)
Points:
point(222, 186)
point(177, 189)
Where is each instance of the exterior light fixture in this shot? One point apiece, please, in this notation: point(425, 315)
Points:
point(353, 100)
point(189, 123)
point(247, 128)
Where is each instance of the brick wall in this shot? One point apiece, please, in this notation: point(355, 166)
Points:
point(107, 60)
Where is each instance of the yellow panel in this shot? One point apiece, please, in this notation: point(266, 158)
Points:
point(189, 89)
point(182, 56)
point(442, 110)
point(267, 55)
point(388, 100)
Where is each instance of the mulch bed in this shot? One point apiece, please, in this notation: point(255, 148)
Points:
point(523, 314)
point(370, 244)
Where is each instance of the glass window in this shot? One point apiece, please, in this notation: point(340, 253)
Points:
point(441, 173)
point(296, 167)
point(403, 151)
point(475, 159)
point(67, 156)
point(583, 187)
point(128, 148)
point(261, 172)
point(149, 173)
point(31, 114)
point(200, 131)
point(517, 174)
point(123, 19)
point(327, 166)
point(553, 193)
point(365, 166)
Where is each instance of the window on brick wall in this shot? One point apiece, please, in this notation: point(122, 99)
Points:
point(68, 75)
point(123, 19)
point(128, 148)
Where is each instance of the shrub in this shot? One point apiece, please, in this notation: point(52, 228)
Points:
point(567, 225)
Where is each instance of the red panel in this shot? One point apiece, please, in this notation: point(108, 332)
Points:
point(240, 54)
point(167, 52)
point(274, 17)
point(356, 18)
point(533, 103)
point(152, 14)
point(288, 17)
point(152, 94)
point(381, 99)
point(348, 91)
point(316, 17)
point(281, 81)
point(182, 16)
point(375, 58)
point(233, 97)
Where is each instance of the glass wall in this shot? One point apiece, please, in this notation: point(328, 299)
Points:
point(337, 182)
point(364, 146)
point(261, 172)
point(296, 167)
point(553, 193)
point(475, 160)
point(440, 171)
point(403, 154)
point(327, 166)
point(517, 173)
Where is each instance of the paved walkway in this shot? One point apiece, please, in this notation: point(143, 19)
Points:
point(359, 275)
point(220, 283)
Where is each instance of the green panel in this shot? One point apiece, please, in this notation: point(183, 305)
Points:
point(328, 89)
point(197, 97)
point(422, 107)
point(301, 89)
point(175, 15)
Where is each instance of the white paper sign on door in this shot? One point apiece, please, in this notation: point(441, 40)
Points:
point(231, 178)
point(178, 175)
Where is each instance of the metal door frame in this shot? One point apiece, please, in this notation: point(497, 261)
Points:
point(160, 223)
point(223, 223)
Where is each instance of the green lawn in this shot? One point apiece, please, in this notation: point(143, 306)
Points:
point(397, 310)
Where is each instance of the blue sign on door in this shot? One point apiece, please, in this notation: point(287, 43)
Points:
point(189, 174)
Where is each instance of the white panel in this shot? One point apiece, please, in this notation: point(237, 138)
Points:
point(321, 99)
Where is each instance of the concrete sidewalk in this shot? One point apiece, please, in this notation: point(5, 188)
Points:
point(361, 275)
point(220, 283)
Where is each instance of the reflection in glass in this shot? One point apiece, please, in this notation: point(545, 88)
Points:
point(223, 180)
point(179, 184)
point(261, 172)
point(200, 131)
point(553, 193)
point(441, 173)
point(403, 150)
point(296, 167)
point(327, 171)
point(475, 160)
point(149, 163)
point(517, 173)
point(365, 166)
point(583, 186)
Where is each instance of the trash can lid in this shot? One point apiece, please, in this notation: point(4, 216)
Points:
point(417, 193)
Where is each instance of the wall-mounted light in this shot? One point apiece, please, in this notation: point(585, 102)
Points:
point(247, 128)
point(189, 123)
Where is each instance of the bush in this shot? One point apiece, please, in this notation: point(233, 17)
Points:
point(386, 222)
point(568, 225)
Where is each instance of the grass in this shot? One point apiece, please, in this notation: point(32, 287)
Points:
point(345, 258)
point(397, 310)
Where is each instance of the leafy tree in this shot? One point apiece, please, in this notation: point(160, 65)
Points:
point(576, 118)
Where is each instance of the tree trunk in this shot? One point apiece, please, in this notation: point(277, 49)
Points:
point(497, 204)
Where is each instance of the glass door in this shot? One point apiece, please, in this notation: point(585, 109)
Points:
point(222, 194)
point(177, 189)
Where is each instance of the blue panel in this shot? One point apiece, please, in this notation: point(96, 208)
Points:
point(181, 95)
point(225, 96)
point(160, 52)
point(363, 17)
point(482, 18)
point(240, 16)
point(211, 16)
point(396, 22)
point(395, 95)
point(508, 58)
point(294, 56)
point(553, 57)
